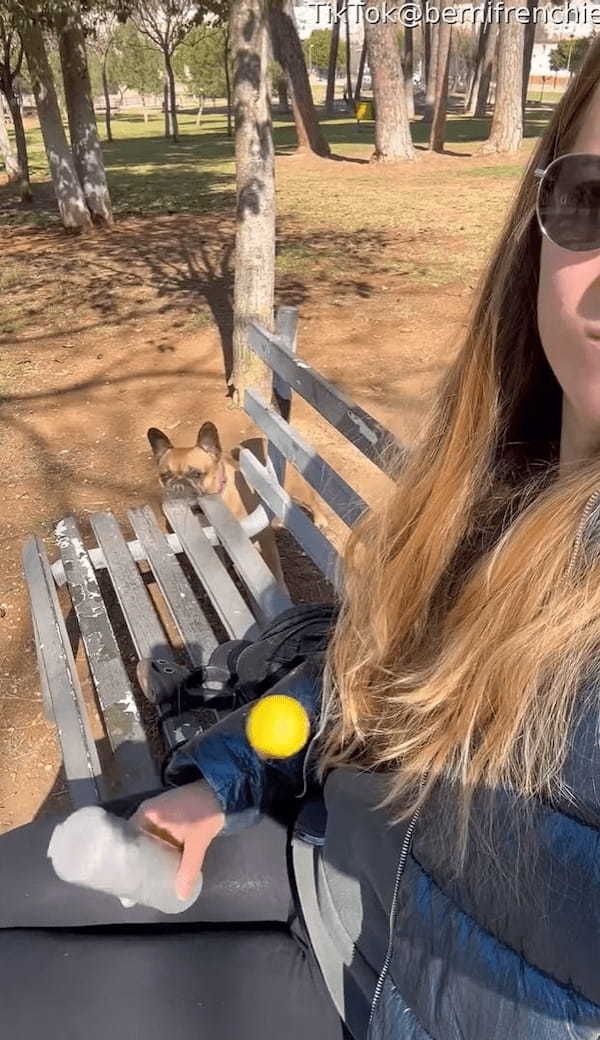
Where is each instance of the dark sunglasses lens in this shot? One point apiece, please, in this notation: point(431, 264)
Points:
point(569, 202)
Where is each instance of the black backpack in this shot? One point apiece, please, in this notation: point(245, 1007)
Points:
point(241, 670)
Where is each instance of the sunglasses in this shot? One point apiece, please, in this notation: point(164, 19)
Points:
point(568, 201)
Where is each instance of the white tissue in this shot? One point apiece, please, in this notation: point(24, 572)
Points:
point(98, 850)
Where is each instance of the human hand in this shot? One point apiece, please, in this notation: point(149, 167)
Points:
point(188, 817)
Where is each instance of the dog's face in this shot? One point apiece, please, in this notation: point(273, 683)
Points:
point(196, 470)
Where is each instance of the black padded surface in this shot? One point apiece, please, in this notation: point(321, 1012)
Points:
point(219, 983)
point(245, 879)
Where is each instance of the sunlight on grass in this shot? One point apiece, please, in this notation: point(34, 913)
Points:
point(11, 319)
point(149, 174)
point(427, 222)
point(10, 277)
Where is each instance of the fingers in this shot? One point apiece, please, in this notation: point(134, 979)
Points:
point(142, 818)
point(190, 866)
point(147, 821)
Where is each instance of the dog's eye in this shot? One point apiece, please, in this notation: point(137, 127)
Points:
point(195, 474)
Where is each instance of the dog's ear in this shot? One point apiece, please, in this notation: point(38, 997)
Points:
point(208, 439)
point(159, 442)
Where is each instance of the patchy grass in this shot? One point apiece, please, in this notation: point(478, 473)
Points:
point(340, 221)
point(10, 320)
point(535, 93)
point(10, 277)
point(150, 175)
point(9, 373)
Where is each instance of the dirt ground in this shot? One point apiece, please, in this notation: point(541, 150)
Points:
point(130, 330)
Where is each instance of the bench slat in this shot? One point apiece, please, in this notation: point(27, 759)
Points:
point(313, 542)
point(147, 633)
point(60, 680)
point(286, 327)
point(360, 428)
point(234, 613)
point(332, 488)
point(265, 590)
point(192, 625)
point(135, 767)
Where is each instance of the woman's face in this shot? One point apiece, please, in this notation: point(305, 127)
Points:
point(568, 313)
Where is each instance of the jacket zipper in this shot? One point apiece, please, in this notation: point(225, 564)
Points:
point(587, 509)
point(407, 842)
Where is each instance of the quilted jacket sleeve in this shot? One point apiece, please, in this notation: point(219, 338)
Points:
point(246, 785)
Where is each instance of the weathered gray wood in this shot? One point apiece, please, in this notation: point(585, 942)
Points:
point(307, 534)
point(147, 634)
point(253, 524)
point(98, 562)
point(265, 590)
point(234, 613)
point(194, 629)
point(332, 488)
point(360, 428)
point(59, 679)
point(286, 327)
point(135, 769)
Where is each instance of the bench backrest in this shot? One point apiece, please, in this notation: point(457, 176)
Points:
point(113, 611)
point(285, 444)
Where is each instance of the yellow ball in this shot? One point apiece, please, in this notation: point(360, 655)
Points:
point(277, 726)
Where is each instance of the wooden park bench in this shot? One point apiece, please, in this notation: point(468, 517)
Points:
point(121, 597)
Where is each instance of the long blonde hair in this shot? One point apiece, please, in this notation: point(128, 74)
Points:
point(464, 633)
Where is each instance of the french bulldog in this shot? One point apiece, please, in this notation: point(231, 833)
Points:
point(204, 468)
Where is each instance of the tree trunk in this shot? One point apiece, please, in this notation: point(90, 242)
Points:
point(166, 107)
point(83, 130)
point(392, 129)
point(349, 89)
point(483, 90)
point(287, 50)
point(9, 156)
point(145, 110)
point(107, 111)
point(283, 95)
point(438, 123)
point(226, 56)
point(530, 27)
point(476, 77)
point(506, 132)
point(172, 98)
point(22, 177)
point(408, 66)
point(254, 284)
point(431, 89)
point(361, 70)
point(200, 109)
point(426, 44)
point(69, 195)
point(333, 56)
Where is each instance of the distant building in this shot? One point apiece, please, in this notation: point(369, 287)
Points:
point(317, 14)
point(540, 62)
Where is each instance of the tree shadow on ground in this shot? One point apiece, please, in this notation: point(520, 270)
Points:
point(150, 175)
point(184, 268)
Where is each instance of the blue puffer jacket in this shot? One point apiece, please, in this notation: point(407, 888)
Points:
point(508, 951)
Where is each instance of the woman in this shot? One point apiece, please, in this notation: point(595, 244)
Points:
point(454, 890)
